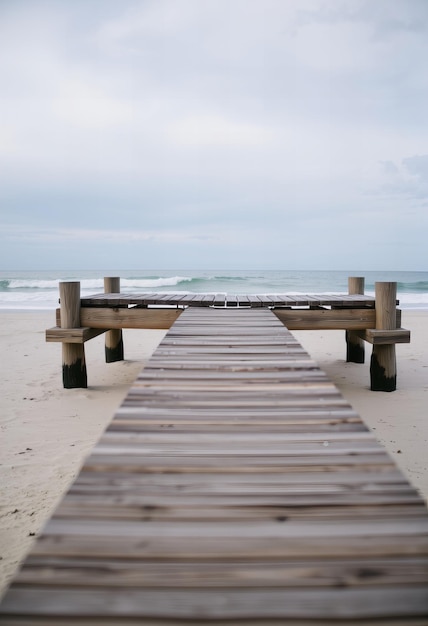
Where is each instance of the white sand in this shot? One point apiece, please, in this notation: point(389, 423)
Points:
point(46, 431)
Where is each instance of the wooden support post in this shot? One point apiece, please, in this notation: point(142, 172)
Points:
point(355, 351)
point(383, 366)
point(114, 340)
point(73, 354)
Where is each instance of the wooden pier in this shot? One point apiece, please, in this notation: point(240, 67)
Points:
point(364, 318)
point(234, 485)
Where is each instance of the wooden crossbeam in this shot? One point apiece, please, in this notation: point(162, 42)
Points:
point(128, 318)
point(294, 319)
point(326, 319)
point(385, 337)
point(72, 335)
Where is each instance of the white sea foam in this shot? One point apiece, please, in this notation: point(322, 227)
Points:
point(152, 283)
point(33, 284)
point(97, 284)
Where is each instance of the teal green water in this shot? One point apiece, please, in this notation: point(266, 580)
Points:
point(39, 289)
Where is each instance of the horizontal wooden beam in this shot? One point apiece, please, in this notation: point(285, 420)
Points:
point(294, 319)
point(341, 319)
point(72, 335)
point(97, 317)
point(384, 337)
point(329, 319)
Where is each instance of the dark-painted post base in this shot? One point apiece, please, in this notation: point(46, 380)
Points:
point(113, 338)
point(383, 369)
point(355, 347)
point(355, 352)
point(74, 366)
point(114, 346)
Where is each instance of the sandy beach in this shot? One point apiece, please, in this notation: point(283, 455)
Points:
point(46, 431)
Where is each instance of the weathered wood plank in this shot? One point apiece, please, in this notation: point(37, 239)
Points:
point(384, 337)
point(229, 574)
point(327, 319)
point(72, 335)
point(98, 317)
point(222, 604)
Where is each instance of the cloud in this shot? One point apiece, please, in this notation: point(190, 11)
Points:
point(417, 166)
point(205, 130)
point(389, 168)
point(80, 104)
point(225, 122)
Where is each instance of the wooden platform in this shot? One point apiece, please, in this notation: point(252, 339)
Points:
point(364, 318)
point(227, 300)
point(234, 485)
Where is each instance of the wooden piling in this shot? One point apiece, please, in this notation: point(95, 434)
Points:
point(383, 366)
point(355, 351)
point(73, 354)
point(114, 339)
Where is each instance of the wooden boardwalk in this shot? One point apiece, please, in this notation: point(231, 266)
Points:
point(234, 485)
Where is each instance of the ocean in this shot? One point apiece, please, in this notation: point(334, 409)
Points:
point(30, 290)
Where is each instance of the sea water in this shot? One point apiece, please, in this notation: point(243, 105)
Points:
point(29, 290)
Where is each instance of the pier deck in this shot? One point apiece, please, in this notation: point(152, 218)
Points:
point(234, 485)
point(227, 300)
point(365, 318)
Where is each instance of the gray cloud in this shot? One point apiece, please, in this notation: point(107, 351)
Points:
point(418, 166)
point(209, 128)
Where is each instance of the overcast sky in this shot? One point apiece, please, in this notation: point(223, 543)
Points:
point(209, 134)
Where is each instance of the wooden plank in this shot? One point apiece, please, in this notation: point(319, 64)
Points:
point(132, 621)
point(128, 318)
point(234, 485)
point(230, 574)
point(219, 300)
point(72, 335)
point(385, 337)
point(326, 319)
point(232, 300)
point(221, 604)
point(254, 301)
